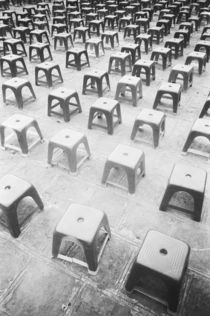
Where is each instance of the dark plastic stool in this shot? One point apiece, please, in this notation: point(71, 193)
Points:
point(110, 109)
point(20, 125)
point(187, 179)
point(16, 85)
point(63, 99)
point(176, 45)
point(123, 22)
point(96, 26)
point(22, 31)
point(12, 191)
point(14, 68)
point(133, 49)
point(157, 33)
point(200, 45)
point(144, 67)
point(81, 225)
point(63, 38)
point(201, 127)
point(146, 39)
point(14, 44)
point(77, 61)
point(69, 141)
point(39, 48)
point(172, 89)
point(47, 68)
point(186, 72)
point(155, 119)
point(165, 53)
point(205, 108)
point(129, 84)
point(96, 78)
point(39, 35)
point(131, 30)
point(129, 159)
point(81, 32)
point(121, 61)
point(185, 34)
point(95, 44)
point(159, 269)
point(110, 36)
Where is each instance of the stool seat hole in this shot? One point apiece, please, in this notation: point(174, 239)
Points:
point(163, 251)
point(67, 136)
point(80, 219)
point(17, 121)
point(188, 175)
point(207, 125)
point(7, 187)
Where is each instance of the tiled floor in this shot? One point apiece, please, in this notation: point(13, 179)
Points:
point(31, 283)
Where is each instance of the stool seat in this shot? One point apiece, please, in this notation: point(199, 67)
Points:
point(187, 179)
point(163, 259)
point(69, 141)
point(12, 191)
point(153, 118)
point(81, 225)
point(131, 160)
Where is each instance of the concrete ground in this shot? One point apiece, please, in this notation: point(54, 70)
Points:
point(31, 282)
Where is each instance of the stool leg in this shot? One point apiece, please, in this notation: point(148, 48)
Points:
point(36, 126)
point(109, 120)
point(78, 102)
point(170, 190)
point(133, 278)
point(156, 136)
point(205, 109)
point(90, 119)
point(31, 89)
point(85, 142)
point(22, 139)
point(12, 221)
point(173, 298)
point(189, 141)
point(2, 135)
point(57, 239)
point(50, 153)
point(135, 129)
point(85, 79)
point(91, 257)
point(72, 159)
point(198, 203)
point(131, 177)
point(32, 192)
point(107, 169)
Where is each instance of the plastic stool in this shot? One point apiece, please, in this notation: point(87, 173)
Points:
point(186, 71)
point(157, 33)
point(96, 77)
point(81, 31)
point(63, 97)
point(95, 43)
point(110, 36)
point(185, 34)
point(131, 30)
point(200, 57)
point(130, 160)
point(176, 45)
point(203, 45)
point(120, 59)
point(13, 44)
point(190, 180)
point(95, 26)
point(205, 108)
point(16, 85)
point(82, 225)
point(159, 269)
point(146, 67)
point(19, 124)
point(69, 141)
point(108, 108)
point(146, 39)
point(39, 48)
point(155, 119)
point(14, 69)
point(77, 61)
point(134, 50)
point(39, 34)
point(22, 31)
point(165, 53)
point(12, 191)
point(172, 89)
point(48, 68)
point(63, 38)
point(201, 127)
point(131, 84)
